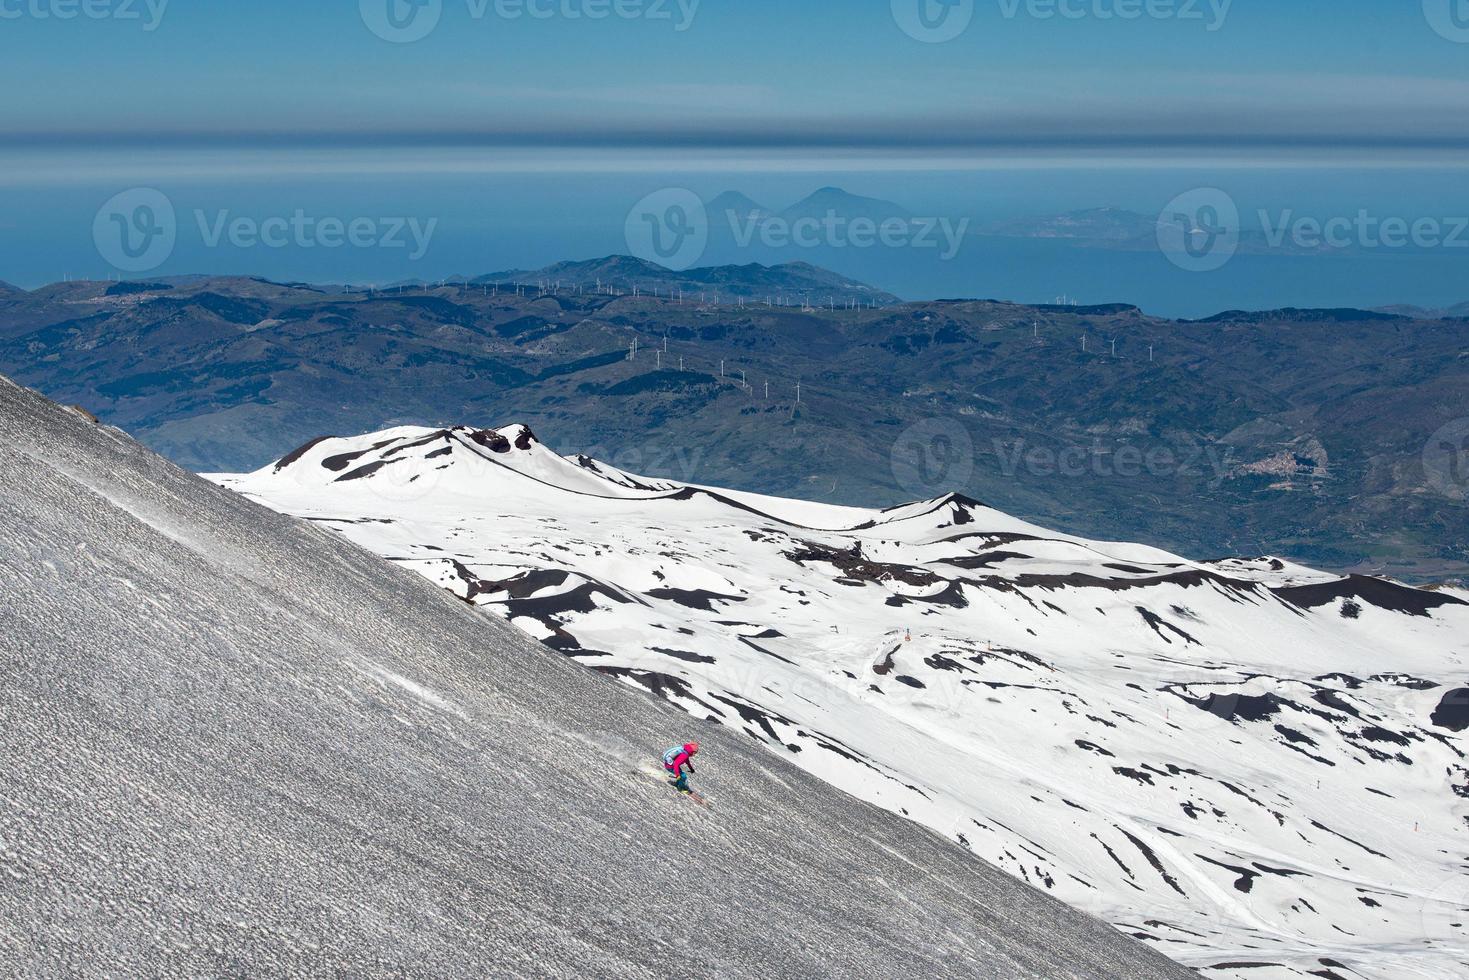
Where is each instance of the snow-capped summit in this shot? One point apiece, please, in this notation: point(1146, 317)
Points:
point(1254, 766)
point(411, 462)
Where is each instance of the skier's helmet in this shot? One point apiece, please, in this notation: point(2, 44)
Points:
point(691, 748)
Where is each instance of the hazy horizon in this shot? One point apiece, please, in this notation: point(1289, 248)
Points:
point(485, 222)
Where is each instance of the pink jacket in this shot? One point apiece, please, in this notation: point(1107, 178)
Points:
point(683, 758)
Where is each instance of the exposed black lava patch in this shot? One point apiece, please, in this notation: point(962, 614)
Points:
point(758, 717)
point(985, 561)
point(687, 656)
point(365, 471)
point(1453, 711)
point(854, 566)
point(1295, 736)
point(1245, 965)
point(1333, 700)
point(1113, 855)
point(581, 599)
point(1158, 623)
point(1374, 591)
point(442, 435)
point(1234, 589)
point(951, 594)
point(1278, 872)
point(1321, 826)
point(1241, 707)
point(694, 598)
point(528, 583)
point(769, 653)
point(1246, 880)
point(940, 662)
point(885, 666)
point(1405, 680)
point(665, 686)
point(491, 440)
point(296, 454)
point(1153, 860)
point(1373, 733)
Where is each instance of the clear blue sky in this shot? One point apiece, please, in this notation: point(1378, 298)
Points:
point(757, 72)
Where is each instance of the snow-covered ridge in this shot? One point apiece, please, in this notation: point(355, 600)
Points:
point(1256, 767)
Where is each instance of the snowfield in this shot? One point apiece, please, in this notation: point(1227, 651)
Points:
point(236, 745)
point(1254, 767)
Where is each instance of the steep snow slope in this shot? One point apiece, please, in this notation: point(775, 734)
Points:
point(237, 745)
point(1253, 766)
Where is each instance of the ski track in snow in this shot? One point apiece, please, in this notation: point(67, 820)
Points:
point(1234, 761)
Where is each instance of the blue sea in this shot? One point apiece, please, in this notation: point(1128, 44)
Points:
point(365, 219)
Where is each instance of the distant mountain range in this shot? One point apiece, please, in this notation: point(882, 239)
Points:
point(739, 205)
point(1455, 312)
point(1321, 435)
point(1098, 227)
point(817, 205)
point(792, 282)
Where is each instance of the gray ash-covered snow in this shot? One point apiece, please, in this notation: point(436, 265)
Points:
point(237, 745)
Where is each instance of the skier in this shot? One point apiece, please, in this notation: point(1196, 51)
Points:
point(678, 759)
